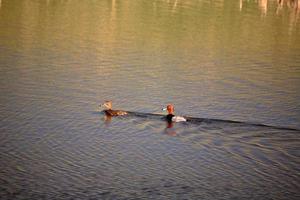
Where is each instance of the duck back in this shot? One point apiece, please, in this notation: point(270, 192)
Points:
point(115, 112)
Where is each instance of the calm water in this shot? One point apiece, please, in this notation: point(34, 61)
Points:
point(230, 60)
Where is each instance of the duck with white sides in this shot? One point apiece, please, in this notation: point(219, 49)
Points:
point(171, 117)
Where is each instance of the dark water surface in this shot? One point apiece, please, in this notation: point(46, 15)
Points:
point(230, 60)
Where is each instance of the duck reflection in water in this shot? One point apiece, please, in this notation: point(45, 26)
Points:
point(107, 119)
point(170, 130)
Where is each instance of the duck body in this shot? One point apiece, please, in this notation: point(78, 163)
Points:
point(178, 119)
point(173, 118)
point(169, 117)
point(110, 112)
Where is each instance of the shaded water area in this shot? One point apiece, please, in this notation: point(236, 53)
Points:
point(233, 60)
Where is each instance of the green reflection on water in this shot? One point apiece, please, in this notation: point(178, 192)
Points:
point(176, 42)
point(192, 25)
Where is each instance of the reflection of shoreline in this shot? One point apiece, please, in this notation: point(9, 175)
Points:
point(295, 4)
point(263, 4)
point(292, 5)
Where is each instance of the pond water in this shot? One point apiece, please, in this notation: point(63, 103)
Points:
point(230, 60)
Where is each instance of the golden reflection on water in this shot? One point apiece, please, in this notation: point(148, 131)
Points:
point(150, 27)
point(263, 4)
point(197, 29)
point(292, 5)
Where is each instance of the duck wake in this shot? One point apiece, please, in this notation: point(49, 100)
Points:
point(197, 120)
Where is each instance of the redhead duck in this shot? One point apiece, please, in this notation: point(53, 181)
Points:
point(171, 117)
point(110, 112)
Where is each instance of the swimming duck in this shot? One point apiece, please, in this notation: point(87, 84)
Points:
point(171, 117)
point(110, 112)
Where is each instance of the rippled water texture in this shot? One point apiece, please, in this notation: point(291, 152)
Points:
point(230, 60)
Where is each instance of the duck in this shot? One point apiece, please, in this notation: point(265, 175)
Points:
point(171, 117)
point(109, 112)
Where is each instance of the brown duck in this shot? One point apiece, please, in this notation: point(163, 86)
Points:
point(110, 112)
